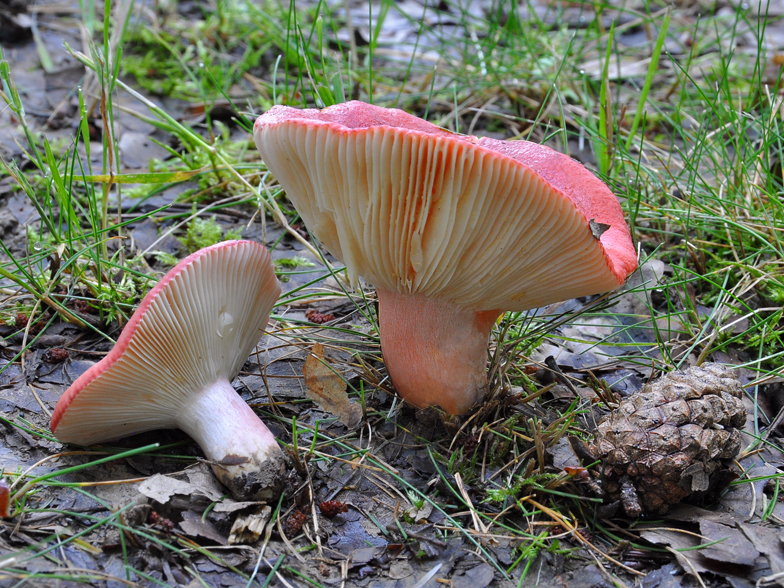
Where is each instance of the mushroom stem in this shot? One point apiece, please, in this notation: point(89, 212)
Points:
point(435, 351)
point(245, 455)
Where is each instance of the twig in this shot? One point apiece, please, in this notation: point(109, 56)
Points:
point(573, 529)
point(27, 332)
point(478, 525)
point(40, 402)
point(426, 578)
point(683, 559)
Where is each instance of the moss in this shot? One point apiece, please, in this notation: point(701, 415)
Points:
point(293, 262)
point(203, 233)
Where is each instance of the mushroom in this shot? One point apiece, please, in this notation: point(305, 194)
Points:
point(173, 363)
point(452, 230)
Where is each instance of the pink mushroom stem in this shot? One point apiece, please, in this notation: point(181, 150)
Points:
point(245, 455)
point(435, 351)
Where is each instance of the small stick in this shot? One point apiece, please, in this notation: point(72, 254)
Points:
point(40, 402)
point(682, 558)
point(477, 522)
point(573, 529)
point(27, 332)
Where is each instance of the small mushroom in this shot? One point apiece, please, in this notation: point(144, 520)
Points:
point(173, 364)
point(452, 230)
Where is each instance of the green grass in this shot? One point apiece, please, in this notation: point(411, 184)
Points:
point(691, 141)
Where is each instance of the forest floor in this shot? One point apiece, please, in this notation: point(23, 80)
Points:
point(125, 146)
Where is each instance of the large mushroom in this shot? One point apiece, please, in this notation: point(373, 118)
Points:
point(173, 364)
point(451, 229)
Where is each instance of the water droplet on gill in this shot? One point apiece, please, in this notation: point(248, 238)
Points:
point(225, 320)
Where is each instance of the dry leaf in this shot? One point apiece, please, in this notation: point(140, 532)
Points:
point(161, 488)
point(248, 529)
point(767, 540)
point(728, 544)
point(201, 484)
point(194, 525)
point(400, 569)
point(327, 389)
point(229, 506)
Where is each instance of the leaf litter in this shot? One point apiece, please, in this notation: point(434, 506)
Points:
point(327, 388)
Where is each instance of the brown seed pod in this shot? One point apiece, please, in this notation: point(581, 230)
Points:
point(294, 523)
point(331, 508)
point(677, 437)
point(470, 443)
point(316, 317)
point(20, 322)
point(56, 355)
point(82, 306)
point(163, 523)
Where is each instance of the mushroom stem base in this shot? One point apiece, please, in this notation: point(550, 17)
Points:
point(435, 351)
point(245, 455)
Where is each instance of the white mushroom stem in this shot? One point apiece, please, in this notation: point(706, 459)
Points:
point(245, 455)
point(435, 351)
point(173, 362)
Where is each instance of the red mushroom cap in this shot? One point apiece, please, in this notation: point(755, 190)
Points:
point(279, 136)
point(446, 226)
point(128, 332)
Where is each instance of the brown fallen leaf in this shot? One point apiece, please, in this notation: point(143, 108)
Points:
point(247, 529)
point(193, 525)
point(716, 548)
point(161, 488)
point(327, 389)
point(682, 545)
point(767, 540)
point(727, 544)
